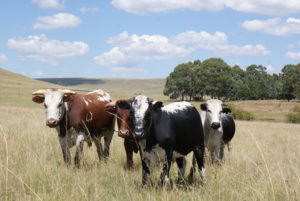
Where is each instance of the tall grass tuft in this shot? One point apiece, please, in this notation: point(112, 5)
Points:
point(240, 114)
point(294, 116)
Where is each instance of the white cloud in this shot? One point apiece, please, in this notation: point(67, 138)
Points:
point(132, 49)
point(293, 55)
point(37, 74)
point(128, 50)
point(218, 44)
point(85, 10)
point(291, 46)
point(45, 50)
point(60, 20)
point(49, 3)
point(274, 26)
point(2, 57)
point(264, 7)
point(158, 6)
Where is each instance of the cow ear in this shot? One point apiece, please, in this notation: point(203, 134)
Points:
point(38, 99)
point(203, 106)
point(68, 97)
point(123, 105)
point(226, 110)
point(157, 105)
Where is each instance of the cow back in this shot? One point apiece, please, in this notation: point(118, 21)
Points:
point(88, 111)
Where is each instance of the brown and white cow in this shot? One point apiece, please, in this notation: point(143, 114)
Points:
point(77, 118)
point(124, 128)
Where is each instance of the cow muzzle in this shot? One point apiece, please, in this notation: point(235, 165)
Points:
point(123, 133)
point(215, 125)
point(138, 134)
point(52, 122)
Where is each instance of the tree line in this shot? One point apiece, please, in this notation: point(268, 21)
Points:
point(215, 78)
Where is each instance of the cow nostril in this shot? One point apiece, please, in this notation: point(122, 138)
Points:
point(51, 121)
point(215, 125)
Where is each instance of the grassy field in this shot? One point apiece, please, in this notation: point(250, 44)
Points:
point(263, 165)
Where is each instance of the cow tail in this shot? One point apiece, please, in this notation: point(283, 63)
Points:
point(88, 136)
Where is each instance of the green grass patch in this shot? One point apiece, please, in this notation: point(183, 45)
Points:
point(240, 114)
point(294, 117)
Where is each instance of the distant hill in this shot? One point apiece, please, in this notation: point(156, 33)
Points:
point(118, 88)
point(16, 89)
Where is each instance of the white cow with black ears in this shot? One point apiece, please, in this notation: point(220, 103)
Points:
point(219, 128)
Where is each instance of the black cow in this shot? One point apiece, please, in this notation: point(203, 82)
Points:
point(167, 133)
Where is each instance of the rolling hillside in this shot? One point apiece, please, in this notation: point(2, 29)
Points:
point(118, 88)
point(16, 89)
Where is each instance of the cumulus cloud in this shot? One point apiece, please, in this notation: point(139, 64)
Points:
point(85, 10)
point(37, 74)
point(59, 20)
point(128, 50)
point(2, 57)
point(53, 4)
point(45, 50)
point(157, 6)
point(293, 55)
point(264, 7)
point(274, 26)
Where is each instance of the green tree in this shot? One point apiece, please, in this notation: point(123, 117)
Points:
point(215, 75)
point(180, 82)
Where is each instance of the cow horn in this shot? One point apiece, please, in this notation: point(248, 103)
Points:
point(111, 104)
point(68, 92)
point(40, 92)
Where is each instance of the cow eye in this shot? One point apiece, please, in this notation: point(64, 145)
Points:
point(45, 105)
point(209, 111)
point(60, 104)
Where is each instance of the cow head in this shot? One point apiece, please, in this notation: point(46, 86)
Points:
point(53, 100)
point(142, 107)
point(214, 109)
point(121, 109)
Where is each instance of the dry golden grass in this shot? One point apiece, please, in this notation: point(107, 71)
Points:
point(263, 165)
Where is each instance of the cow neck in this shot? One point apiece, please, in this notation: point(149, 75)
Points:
point(63, 125)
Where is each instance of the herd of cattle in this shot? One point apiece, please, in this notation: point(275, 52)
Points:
point(160, 133)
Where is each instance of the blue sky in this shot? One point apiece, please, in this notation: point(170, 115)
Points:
point(144, 38)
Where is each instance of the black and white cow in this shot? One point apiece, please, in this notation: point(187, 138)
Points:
point(167, 133)
point(219, 128)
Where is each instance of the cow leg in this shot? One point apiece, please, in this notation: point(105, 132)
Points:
point(79, 149)
point(215, 154)
point(181, 163)
point(129, 153)
point(193, 170)
point(97, 141)
point(65, 149)
point(145, 172)
point(164, 177)
point(107, 141)
point(199, 155)
point(222, 150)
point(229, 146)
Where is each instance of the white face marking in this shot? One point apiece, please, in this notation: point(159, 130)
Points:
point(214, 109)
point(54, 106)
point(140, 105)
point(176, 107)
